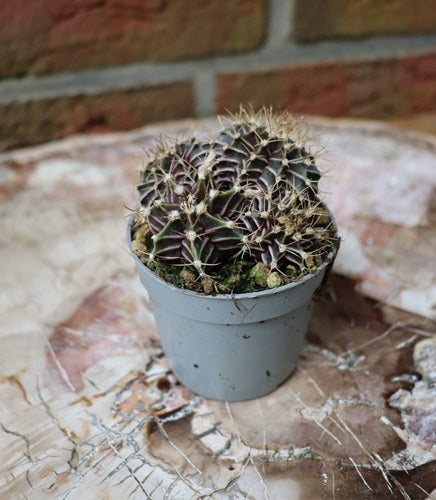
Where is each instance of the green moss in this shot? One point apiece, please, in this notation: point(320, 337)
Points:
point(141, 234)
point(232, 277)
point(259, 273)
point(273, 280)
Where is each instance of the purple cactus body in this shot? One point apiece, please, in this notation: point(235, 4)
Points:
point(250, 193)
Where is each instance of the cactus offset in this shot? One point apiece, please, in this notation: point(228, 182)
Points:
point(249, 194)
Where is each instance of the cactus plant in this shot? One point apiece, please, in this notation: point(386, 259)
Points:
point(236, 212)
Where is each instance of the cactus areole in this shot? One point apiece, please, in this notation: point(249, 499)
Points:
point(235, 213)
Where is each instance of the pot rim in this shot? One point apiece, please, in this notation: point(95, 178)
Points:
point(237, 296)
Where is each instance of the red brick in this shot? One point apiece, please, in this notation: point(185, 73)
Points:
point(43, 36)
point(372, 89)
point(320, 19)
point(38, 121)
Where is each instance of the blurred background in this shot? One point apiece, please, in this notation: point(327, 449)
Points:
point(74, 66)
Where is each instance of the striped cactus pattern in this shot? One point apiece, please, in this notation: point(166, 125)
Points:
point(248, 193)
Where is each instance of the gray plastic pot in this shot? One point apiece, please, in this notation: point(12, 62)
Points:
point(227, 347)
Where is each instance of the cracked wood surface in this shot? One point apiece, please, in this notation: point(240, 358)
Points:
point(88, 405)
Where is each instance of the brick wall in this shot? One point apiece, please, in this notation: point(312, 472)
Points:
point(71, 66)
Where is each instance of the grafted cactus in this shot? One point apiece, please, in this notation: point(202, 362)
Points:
point(249, 194)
